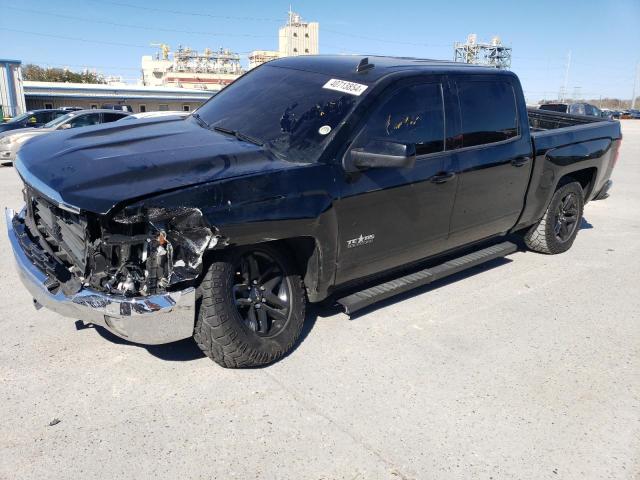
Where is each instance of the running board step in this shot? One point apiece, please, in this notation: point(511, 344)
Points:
point(369, 296)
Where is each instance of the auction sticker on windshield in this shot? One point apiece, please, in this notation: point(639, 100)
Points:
point(345, 87)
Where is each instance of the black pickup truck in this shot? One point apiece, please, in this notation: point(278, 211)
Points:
point(308, 178)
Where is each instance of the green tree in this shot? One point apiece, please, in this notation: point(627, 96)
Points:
point(39, 74)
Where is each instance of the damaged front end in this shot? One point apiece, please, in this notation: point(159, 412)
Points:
point(139, 251)
point(144, 251)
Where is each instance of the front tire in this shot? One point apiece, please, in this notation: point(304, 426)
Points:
point(251, 307)
point(557, 230)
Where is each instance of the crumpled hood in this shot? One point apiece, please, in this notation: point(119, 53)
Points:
point(95, 168)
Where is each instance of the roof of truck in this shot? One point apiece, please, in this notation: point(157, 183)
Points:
point(345, 66)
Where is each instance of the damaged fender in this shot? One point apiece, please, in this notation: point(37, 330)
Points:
point(146, 250)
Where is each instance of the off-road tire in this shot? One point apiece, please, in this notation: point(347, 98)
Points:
point(220, 332)
point(541, 237)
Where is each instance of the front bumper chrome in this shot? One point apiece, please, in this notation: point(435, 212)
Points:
point(151, 320)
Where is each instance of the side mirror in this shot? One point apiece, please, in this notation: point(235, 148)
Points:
point(380, 154)
point(65, 126)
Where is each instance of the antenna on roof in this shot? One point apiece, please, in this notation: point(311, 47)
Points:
point(364, 65)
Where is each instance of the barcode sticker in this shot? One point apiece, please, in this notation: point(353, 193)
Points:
point(345, 87)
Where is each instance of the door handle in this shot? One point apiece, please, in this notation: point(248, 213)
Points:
point(519, 162)
point(442, 177)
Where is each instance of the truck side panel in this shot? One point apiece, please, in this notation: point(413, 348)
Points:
point(590, 149)
point(251, 210)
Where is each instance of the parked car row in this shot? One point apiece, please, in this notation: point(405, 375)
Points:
point(628, 114)
point(582, 108)
point(34, 123)
point(31, 119)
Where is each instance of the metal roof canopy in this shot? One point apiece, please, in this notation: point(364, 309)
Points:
point(81, 90)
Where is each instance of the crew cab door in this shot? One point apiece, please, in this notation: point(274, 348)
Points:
point(492, 159)
point(391, 216)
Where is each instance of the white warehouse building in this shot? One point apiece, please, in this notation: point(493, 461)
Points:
point(85, 95)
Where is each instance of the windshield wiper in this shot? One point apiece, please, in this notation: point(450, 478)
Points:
point(239, 135)
point(200, 120)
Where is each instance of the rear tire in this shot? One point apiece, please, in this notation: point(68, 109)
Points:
point(557, 230)
point(247, 317)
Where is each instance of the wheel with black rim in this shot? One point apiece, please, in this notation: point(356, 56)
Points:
point(251, 307)
point(557, 230)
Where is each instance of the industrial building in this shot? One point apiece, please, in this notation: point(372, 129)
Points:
point(491, 54)
point(180, 80)
point(258, 57)
point(86, 95)
point(11, 95)
point(297, 37)
point(187, 68)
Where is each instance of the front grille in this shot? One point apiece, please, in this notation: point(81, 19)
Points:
point(63, 232)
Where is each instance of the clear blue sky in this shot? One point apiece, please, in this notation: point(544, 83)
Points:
point(603, 36)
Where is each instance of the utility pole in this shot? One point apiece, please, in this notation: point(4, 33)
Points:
point(635, 82)
point(566, 76)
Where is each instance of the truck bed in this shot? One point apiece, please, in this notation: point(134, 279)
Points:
point(565, 144)
point(554, 129)
point(543, 120)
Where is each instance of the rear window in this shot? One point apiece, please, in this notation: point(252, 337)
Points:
point(488, 112)
point(554, 107)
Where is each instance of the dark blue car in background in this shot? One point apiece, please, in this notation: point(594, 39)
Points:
point(32, 118)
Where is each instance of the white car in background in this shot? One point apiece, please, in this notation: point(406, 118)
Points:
point(11, 141)
point(164, 113)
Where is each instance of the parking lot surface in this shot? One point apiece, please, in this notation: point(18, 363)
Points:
point(527, 368)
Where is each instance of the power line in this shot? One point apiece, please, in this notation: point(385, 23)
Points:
point(201, 14)
point(76, 39)
point(384, 40)
point(137, 27)
point(146, 8)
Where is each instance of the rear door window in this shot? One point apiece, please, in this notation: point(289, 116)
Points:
point(488, 112)
point(591, 110)
point(85, 120)
point(412, 115)
point(577, 109)
point(43, 117)
point(111, 117)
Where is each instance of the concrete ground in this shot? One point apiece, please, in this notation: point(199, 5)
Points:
point(526, 369)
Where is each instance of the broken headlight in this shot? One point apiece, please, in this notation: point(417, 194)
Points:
point(142, 250)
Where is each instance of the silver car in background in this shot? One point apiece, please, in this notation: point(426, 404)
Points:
point(12, 141)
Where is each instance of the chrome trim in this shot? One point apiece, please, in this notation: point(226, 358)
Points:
point(151, 320)
point(42, 187)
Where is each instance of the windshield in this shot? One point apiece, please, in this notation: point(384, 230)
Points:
point(58, 121)
point(287, 110)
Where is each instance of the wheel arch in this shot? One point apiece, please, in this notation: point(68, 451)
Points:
point(307, 256)
point(586, 177)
